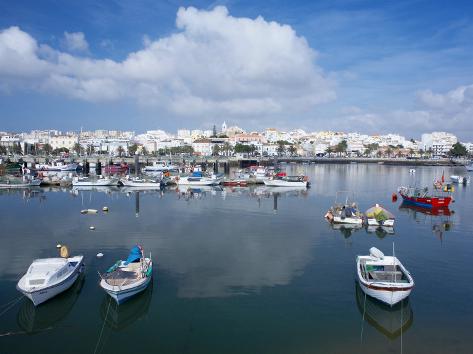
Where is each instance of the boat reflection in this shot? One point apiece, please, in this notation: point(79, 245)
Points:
point(33, 319)
point(280, 191)
point(389, 321)
point(347, 229)
point(380, 231)
point(122, 316)
point(439, 217)
point(414, 209)
point(103, 189)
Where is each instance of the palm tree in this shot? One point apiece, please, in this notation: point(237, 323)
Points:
point(47, 149)
point(215, 150)
point(77, 148)
point(120, 150)
point(227, 148)
point(292, 150)
point(281, 148)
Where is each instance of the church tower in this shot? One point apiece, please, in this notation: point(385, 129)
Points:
point(224, 127)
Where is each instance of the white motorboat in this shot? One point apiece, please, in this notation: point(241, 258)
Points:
point(198, 179)
point(287, 181)
point(383, 277)
point(344, 213)
point(379, 216)
point(261, 174)
point(160, 166)
point(11, 183)
point(460, 179)
point(128, 278)
point(49, 277)
point(137, 182)
point(469, 167)
point(89, 181)
point(58, 165)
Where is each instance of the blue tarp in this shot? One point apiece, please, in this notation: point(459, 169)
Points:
point(197, 174)
point(135, 254)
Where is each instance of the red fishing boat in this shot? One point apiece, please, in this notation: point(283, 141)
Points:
point(116, 168)
point(422, 197)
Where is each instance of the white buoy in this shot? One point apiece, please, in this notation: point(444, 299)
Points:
point(58, 245)
point(92, 227)
point(105, 208)
point(99, 255)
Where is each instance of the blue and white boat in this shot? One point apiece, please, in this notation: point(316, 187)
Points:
point(128, 278)
point(49, 277)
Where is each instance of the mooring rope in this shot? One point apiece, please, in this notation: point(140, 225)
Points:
point(103, 325)
point(10, 304)
point(363, 320)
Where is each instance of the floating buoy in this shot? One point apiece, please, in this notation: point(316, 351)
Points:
point(92, 227)
point(394, 197)
point(58, 245)
point(99, 255)
point(105, 208)
point(89, 211)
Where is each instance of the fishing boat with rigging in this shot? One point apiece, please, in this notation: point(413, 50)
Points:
point(422, 197)
point(128, 278)
point(287, 181)
point(346, 212)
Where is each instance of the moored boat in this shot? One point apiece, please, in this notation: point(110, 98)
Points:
point(116, 168)
point(460, 179)
point(383, 277)
point(198, 179)
point(12, 183)
point(287, 181)
point(423, 198)
point(137, 182)
point(128, 278)
point(89, 181)
point(48, 277)
point(160, 166)
point(58, 165)
point(344, 213)
point(379, 216)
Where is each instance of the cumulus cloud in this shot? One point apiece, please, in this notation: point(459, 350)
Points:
point(451, 111)
point(75, 42)
point(214, 65)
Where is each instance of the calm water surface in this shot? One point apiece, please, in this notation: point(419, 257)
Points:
point(241, 270)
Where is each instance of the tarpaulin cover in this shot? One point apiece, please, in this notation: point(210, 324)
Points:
point(135, 254)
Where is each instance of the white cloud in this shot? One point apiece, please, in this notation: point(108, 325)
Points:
point(75, 42)
point(214, 65)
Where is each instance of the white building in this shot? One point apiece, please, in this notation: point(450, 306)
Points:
point(440, 142)
point(63, 141)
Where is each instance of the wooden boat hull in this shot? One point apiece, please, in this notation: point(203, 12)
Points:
point(374, 222)
point(387, 295)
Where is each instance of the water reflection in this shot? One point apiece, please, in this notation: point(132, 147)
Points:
point(380, 231)
point(347, 229)
point(440, 218)
point(122, 316)
point(392, 322)
point(33, 319)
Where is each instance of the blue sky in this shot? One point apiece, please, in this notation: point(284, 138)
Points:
point(368, 66)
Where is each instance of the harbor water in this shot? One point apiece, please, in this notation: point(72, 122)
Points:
point(241, 270)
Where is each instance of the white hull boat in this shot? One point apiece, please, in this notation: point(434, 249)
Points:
point(160, 166)
point(346, 213)
point(460, 179)
point(49, 277)
point(197, 181)
point(9, 184)
point(294, 181)
point(142, 183)
point(87, 181)
point(379, 216)
point(383, 277)
point(128, 278)
point(59, 166)
point(469, 168)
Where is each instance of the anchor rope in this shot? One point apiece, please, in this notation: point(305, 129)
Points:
point(103, 325)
